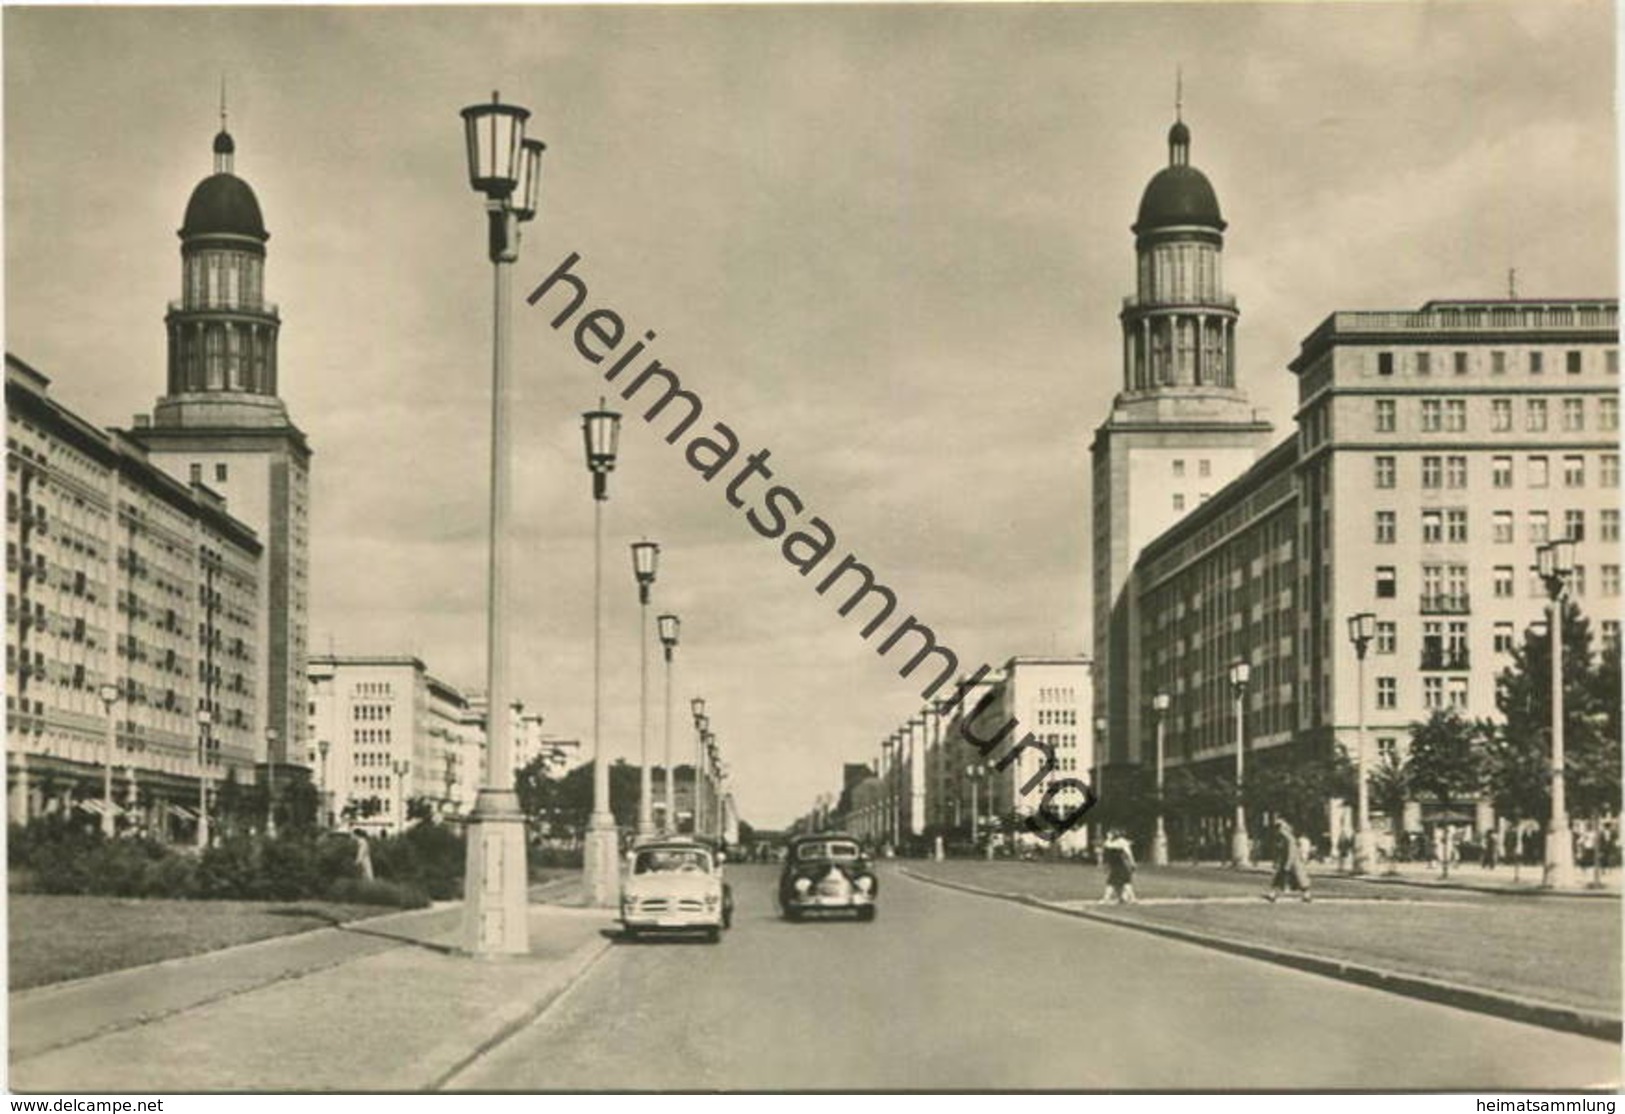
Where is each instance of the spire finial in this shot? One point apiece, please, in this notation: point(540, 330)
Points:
point(1179, 94)
point(1512, 283)
point(222, 100)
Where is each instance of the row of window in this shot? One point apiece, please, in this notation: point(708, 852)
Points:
point(1449, 525)
point(1460, 363)
point(1451, 471)
point(1061, 716)
point(1444, 586)
point(1449, 415)
point(220, 473)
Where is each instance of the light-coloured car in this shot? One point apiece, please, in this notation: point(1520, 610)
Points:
point(675, 885)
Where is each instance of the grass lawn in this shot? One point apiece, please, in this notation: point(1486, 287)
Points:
point(1560, 950)
point(54, 937)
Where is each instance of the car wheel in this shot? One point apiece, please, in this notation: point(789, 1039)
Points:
point(791, 913)
point(713, 936)
point(867, 913)
point(629, 934)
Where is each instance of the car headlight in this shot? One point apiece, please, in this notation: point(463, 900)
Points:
point(803, 885)
point(711, 901)
point(865, 884)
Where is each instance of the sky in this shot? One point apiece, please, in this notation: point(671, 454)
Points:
point(888, 244)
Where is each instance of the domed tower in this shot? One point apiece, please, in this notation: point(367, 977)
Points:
point(1179, 326)
point(222, 426)
point(222, 332)
point(1179, 430)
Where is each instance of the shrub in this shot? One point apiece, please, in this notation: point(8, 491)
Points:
point(377, 891)
point(555, 857)
point(427, 856)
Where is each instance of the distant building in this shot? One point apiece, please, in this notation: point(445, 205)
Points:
point(119, 574)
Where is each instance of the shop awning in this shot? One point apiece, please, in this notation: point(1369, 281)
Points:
point(98, 806)
point(181, 811)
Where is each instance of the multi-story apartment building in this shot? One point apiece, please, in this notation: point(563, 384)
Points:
point(1436, 449)
point(130, 595)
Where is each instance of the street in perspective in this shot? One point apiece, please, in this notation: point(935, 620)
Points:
point(949, 548)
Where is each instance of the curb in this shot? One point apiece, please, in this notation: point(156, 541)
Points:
point(1430, 883)
point(1563, 1018)
point(452, 1058)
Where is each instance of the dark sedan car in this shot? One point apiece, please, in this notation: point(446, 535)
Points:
point(827, 872)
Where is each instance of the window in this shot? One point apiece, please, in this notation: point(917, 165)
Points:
point(1387, 527)
point(197, 473)
point(1574, 414)
point(1501, 527)
point(1535, 415)
point(1574, 471)
point(1432, 471)
point(1539, 528)
point(1610, 580)
point(1455, 471)
point(1498, 363)
point(1458, 692)
point(1432, 692)
point(1610, 633)
point(1432, 415)
point(1179, 502)
point(1538, 470)
point(1500, 414)
point(1503, 638)
point(1573, 361)
point(1455, 415)
point(1387, 692)
point(1179, 468)
point(1501, 472)
point(1385, 415)
point(1455, 525)
point(220, 473)
point(1387, 582)
point(1385, 363)
point(1608, 531)
point(1578, 580)
point(1502, 589)
point(1460, 361)
point(1537, 363)
point(1387, 748)
point(1424, 363)
point(1611, 361)
point(1385, 471)
point(1608, 412)
point(1574, 525)
point(1608, 470)
point(1432, 527)
point(1387, 637)
point(1204, 468)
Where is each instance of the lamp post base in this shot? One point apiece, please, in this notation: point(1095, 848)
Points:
point(1159, 845)
point(495, 905)
point(601, 863)
point(1365, 851)
point(1558, 873)
point(1240, 850)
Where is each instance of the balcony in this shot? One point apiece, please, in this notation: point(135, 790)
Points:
point(1435, 657)
point(1446, 604)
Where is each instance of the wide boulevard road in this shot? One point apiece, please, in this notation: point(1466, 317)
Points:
point(950, 991)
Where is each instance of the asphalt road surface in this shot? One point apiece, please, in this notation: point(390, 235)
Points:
point(950, 991)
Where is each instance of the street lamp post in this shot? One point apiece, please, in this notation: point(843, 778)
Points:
point(270, 782)
point(708, 787)
point(400, 767)
point(668, 626)
point(1362, 629)
point(1240, 674)
point(327, 801)
point(888, 788)
point(1159, 841)
point(505, 167)
point(601, 430)
point(1102, 725)
point(645, 557)
point(1555, 562)
point(204, 720)
point(109, 694)
point(697, 708)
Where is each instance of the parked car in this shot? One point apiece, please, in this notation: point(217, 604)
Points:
point(675, 885)
point(827, 872)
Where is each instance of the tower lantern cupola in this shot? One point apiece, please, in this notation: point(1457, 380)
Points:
point(222, 331)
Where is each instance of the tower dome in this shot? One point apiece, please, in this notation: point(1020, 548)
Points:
point(223, 204)
point(1178, 194)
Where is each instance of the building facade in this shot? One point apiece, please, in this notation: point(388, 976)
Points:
point(1435, 450)
point(121, 575)
point(1180, 428)
point(220, 422)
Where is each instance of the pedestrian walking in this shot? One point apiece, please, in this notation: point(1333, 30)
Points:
point(1290, 872)
point(1118, 855)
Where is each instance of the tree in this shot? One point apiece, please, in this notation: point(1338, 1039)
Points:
point(1515, 776)
point(566, 802)
point(1390, 787)
point(1446, 760)
point(1299, 789)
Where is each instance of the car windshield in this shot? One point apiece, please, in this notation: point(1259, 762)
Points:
point(672, 860)
point(840, 850)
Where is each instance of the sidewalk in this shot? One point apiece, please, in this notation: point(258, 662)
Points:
point(378, 1005)
point(1473, 876)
